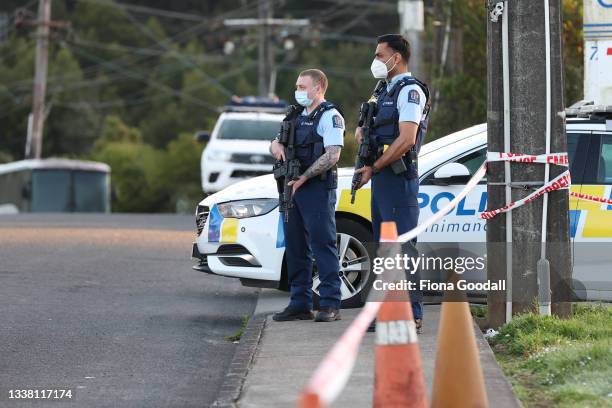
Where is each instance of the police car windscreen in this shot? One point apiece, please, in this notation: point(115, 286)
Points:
point(248, 129)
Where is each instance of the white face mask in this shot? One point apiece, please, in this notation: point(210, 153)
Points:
point(302, 98)
point(379, 69)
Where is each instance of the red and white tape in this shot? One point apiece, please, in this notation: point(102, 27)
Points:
point(334, 371)
point(561, 182)
point(559, 159)
point(590, 197)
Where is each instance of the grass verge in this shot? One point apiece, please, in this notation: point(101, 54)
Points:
point(559, 363)
point(236, 336)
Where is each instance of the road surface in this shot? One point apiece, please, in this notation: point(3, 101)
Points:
point(108, 306)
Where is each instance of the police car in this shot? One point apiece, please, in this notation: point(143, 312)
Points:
point(240, 231)
point(237, 148)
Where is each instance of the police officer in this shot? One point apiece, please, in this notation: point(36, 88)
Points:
point(311, 226)
point(398, 131)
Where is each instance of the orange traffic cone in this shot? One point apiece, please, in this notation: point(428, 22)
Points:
point(398, 378)
point(458, 379)
point(309, 400)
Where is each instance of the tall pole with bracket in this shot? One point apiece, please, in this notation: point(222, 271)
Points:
point(525, 104)
point(412, 25)
point(40, 77)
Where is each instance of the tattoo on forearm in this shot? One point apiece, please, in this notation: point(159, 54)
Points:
point(325, 162)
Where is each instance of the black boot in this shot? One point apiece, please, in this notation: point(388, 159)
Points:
point(290, 314)
point(327, 314)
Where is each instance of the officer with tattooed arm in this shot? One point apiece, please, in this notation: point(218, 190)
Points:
point(315, 139)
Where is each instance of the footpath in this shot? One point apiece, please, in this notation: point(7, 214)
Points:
point(278, 358)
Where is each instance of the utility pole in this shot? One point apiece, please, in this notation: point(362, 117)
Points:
point(40, 77)
point(4, 23)
point(265, 61)
point(518, 113)
point(412, 25)
point(265, 52)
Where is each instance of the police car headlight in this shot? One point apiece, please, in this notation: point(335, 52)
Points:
point(247, 208)
point(218, 155)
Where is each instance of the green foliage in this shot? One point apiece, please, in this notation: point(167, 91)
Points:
point(146, 179)
point(5, 157)
point(478, 310)
point(115, 130)
point(462, 90)
point(180, 173)
point(555, 362)
point(573, 49)
point(463, 104)
point(529, 333)
point(238, 335)
point(134, 173)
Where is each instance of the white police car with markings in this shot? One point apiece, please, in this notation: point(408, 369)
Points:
point(240, 231)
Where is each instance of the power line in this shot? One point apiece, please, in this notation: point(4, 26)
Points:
point(188, 64)
point(167, 13)
point(123, 102)
point(150, 82)
point(191, 31)
point(382, 5)
point(150, 10)
point(128, 61)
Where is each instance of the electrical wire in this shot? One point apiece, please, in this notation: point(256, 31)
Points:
point(136, 76)
point(123, 102)
point(188, 64)
point(169, 13)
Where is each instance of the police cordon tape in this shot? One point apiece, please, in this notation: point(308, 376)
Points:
point(559, 159)
point(333, 372)
point(561, 182)
point(590, 197)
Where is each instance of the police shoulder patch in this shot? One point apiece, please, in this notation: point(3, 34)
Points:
point(338, 122)
point(413, 96)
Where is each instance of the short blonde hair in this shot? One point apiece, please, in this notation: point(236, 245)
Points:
point(318, 76)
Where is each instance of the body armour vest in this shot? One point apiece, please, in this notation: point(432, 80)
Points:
point(386, 123)
point(309, 144)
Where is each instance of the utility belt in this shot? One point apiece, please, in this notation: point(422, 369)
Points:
point(404, 163)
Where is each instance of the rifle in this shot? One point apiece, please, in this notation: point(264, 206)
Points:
point(285, 171)
point(365, 153)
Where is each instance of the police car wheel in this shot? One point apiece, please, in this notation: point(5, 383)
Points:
point(356, 253)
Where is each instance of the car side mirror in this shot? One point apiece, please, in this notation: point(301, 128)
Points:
point(451, 173)
point(202, 136)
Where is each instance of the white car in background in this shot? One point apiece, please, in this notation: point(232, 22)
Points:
point(240, 231)
point(237, 148)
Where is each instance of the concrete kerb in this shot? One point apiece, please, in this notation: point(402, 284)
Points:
point(231, 388)
point(504, 394)
point(268, 301)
